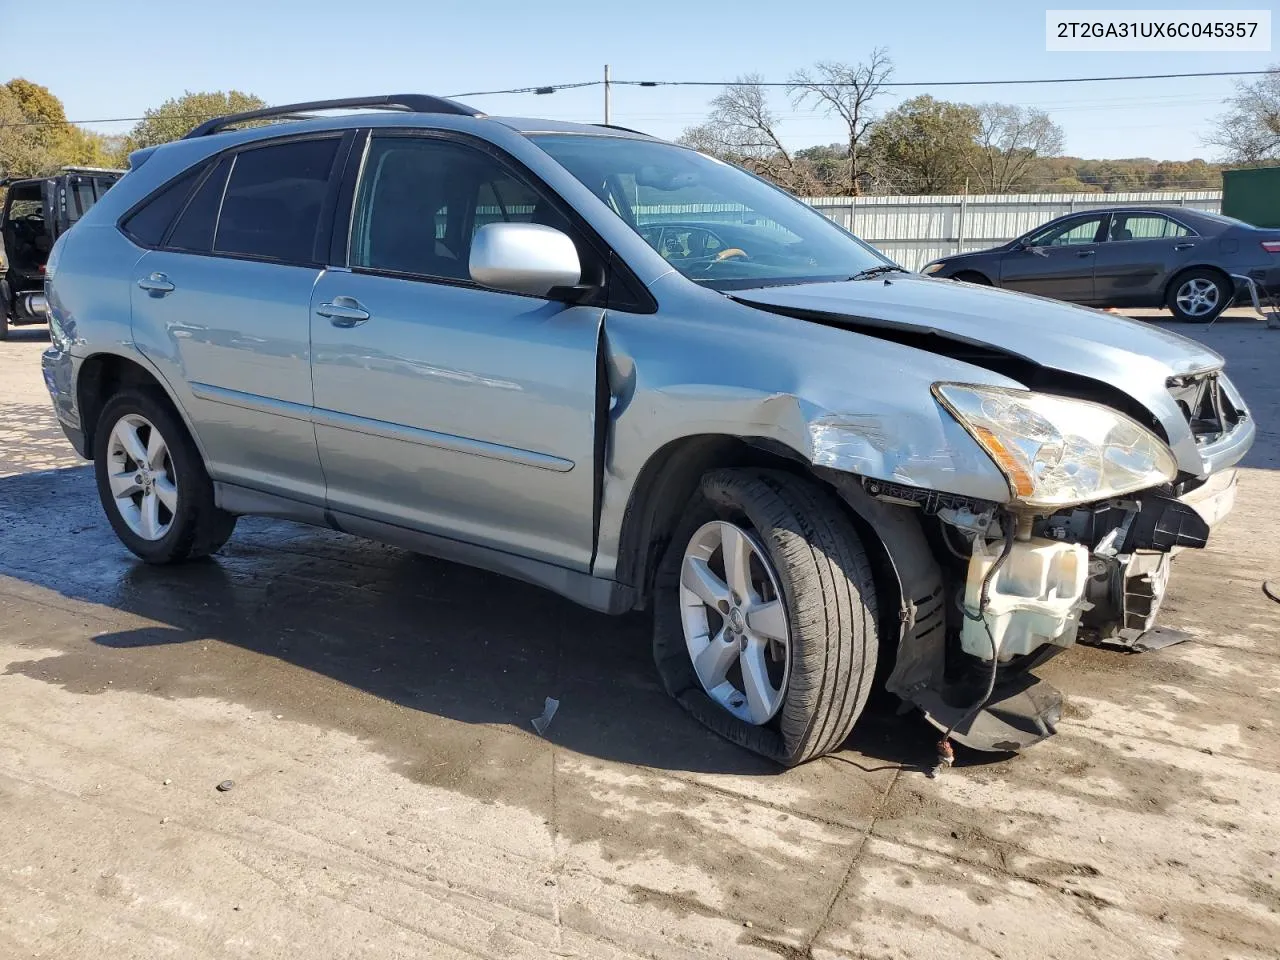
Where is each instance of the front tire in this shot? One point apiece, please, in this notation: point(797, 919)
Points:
point(765, 614)
point(1198, 296)
point(152, 481)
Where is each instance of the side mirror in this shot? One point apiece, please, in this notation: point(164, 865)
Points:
point(524, 258)
point(1018, 246)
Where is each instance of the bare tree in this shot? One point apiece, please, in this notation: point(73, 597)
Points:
point(846, 91)
point(1010, 140)
point(1249, 132)
point(742, 128)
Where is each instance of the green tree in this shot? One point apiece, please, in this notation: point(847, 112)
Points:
point(826, 166)
point(925, 146)
point(175, 117)
point(26, 147)
point(41, 109)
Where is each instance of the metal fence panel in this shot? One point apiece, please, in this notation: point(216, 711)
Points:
point(915, 230)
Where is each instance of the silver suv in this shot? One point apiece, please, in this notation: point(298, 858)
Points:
point(639, 377)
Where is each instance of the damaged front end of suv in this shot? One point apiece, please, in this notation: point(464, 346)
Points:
point(1109, 474)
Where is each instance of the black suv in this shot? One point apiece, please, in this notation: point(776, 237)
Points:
point(36, 212)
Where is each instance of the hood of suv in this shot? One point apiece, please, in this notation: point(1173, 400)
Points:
point(1043, 344)
point(1048, 333)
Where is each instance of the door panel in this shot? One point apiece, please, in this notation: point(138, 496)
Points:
point(1057, 262)
point(234, 335)
point(1142, 251)
point(458, 411)
point(226, 305)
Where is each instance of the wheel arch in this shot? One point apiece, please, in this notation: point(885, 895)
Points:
point(102, 375)
point(671, 475)
point(906, 575)
point(1184, 270)
point(978, 277)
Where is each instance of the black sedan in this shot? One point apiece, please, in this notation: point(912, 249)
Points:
point(1187, 260)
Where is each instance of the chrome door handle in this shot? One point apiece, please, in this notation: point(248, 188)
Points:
point(343, 311)
point(156, 283)
point(1183, 246)
point(1085, 253)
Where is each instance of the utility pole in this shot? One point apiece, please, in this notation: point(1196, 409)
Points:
point(606, 93)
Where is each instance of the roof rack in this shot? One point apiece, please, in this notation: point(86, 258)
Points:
point(408, 102)
point(614, 126)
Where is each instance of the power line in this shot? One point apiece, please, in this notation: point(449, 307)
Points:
point(209, 116)
point(939, 83)
point(553, 88)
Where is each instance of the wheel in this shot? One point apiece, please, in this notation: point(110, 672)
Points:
point(152, 482)
point(764, 614)
point(1198, 295)
point(969, 276)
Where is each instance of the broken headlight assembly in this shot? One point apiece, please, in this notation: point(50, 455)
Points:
point(1057, 451)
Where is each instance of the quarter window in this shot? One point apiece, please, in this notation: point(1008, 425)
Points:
point(148, 223)
point(421, 201)
point(195, 228)
point(271, 208)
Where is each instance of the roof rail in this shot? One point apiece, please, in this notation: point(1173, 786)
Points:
point(92, 170)
point(614, 126)
point(408, 102)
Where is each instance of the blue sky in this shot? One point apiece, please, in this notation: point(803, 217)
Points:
point(116, 61)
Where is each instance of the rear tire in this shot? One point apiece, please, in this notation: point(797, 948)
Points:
point(186, 523)
point(1198, 295)
point(829, 602)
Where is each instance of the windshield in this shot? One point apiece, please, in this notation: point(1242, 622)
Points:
point(716, 224)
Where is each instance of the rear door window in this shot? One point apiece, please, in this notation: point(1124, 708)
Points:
point(272, 204)
point(1145, 226)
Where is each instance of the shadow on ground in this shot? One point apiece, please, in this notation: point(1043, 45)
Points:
point(33, 334)
point(414, 632)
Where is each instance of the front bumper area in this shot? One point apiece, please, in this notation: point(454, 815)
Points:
point(1215, 498)
point(1092, 573)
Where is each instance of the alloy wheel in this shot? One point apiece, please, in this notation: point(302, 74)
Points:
point(1197, 297)
point(141, 476)
point(735, 622)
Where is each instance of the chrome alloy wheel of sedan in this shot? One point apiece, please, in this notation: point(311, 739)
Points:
point(141, 475)
point(1198, 297)
point(735, 623)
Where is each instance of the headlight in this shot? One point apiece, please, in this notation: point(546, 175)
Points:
point(932, 267)
point(1055, 451)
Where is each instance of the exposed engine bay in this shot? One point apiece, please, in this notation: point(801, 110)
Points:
point(1115, 462)
point(990, 593)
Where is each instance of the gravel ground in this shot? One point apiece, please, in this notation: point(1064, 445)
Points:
point(390, 798)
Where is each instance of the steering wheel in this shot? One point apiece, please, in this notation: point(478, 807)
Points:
point(727, 255)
